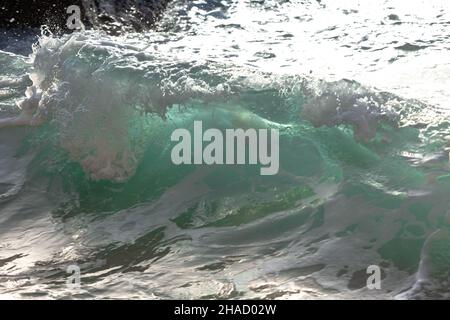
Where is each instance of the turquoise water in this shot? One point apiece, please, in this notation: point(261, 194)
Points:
point(95, 186)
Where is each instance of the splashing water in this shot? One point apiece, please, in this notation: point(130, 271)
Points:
point(357, 92)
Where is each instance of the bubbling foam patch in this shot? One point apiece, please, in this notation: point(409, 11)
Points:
point(347, 102)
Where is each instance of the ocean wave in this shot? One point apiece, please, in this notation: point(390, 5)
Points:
point(363, 174)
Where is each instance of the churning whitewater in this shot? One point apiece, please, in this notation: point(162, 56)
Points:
point(357, 93)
